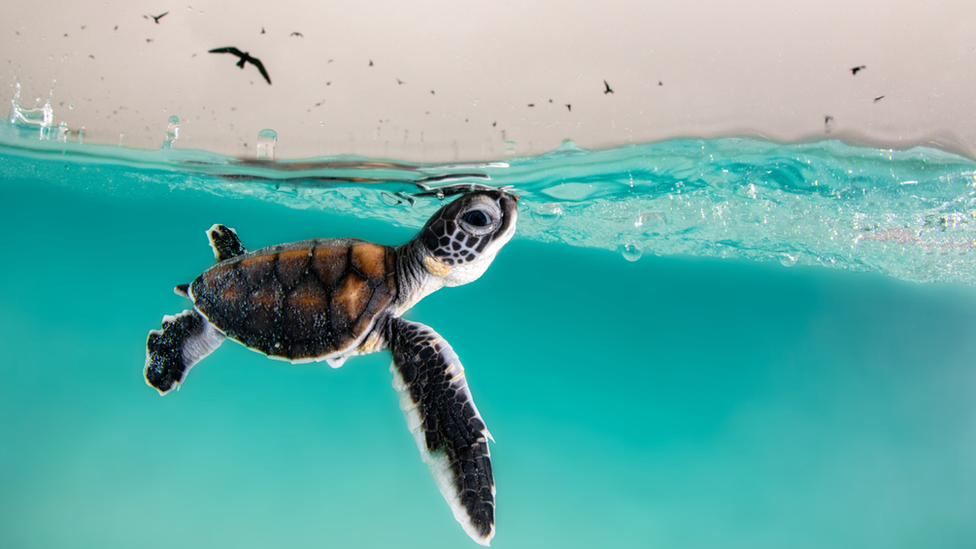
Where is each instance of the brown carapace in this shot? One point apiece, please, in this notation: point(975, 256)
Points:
point(299, 301)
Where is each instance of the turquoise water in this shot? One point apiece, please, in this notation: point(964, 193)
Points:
point(705, 395)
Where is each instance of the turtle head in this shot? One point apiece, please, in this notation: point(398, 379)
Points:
point(463, 237)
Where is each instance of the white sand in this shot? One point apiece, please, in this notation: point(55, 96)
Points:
point(470, 71)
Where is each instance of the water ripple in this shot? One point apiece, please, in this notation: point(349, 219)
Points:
point(909, 214)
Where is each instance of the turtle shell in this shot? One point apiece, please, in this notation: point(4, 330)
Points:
point(300, 301)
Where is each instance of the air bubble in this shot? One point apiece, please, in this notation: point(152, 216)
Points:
point(547, 214)
point(787, 260)
point(651, 222)
point(631, 252)
point(266, 144)
point(172, 131)
point(63, 132)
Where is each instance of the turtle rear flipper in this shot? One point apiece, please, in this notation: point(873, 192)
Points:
point(185, 339)
point(441, 414)
point(225, 242)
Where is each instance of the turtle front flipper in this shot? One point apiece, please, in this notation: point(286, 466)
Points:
point(225, 242)
point(441, 414)
point(185, 339)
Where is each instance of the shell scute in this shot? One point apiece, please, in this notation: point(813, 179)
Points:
point(254, 269)
point(306, 317)
point(351, 299)
point(292, 266)
point(262, 309)
point(369, 259)
point(329, 263)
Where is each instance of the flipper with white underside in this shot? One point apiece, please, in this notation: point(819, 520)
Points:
point(441, 414)
point(185, 339)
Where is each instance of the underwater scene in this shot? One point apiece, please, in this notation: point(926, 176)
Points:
point(688, 344)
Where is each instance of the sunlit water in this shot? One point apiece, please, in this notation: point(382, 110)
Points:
point(698, 394)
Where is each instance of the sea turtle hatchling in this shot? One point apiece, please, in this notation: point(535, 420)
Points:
point(331, 299)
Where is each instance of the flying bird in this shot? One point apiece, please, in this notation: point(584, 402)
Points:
point(156, 18)
point(858, 68)
point(245, 57)
point(608, 90)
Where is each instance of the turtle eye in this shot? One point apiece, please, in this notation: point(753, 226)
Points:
point(477, 218)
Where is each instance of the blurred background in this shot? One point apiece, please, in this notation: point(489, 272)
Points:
point(444, 80)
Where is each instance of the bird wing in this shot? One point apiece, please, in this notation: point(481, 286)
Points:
point(257, 63)
point(234, 51)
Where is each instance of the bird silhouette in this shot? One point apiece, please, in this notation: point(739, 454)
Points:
point(854, 70)
point(156, 18)
point(245, 57)
point(608, 90)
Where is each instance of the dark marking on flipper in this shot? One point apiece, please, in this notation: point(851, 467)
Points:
point(225, 242)
point(185, 339)
point(442, 416)
point(182, 290)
